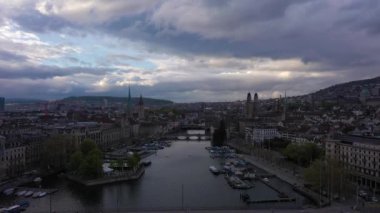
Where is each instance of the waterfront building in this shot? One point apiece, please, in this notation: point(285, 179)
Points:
point(360, 157)
point(13, 157)
point(259, 135)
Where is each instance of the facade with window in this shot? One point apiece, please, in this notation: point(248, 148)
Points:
point(360, 157)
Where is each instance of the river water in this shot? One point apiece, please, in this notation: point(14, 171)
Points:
point(177, 179)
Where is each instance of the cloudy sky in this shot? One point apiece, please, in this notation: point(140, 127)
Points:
point(185, 50)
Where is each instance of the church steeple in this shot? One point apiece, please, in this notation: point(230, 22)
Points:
point(129, 103)
point(141, 102)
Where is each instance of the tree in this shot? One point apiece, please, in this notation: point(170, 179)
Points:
point(91, 166)
point(87, 145)
point(219, 135)
point(75, 160)
point(329, 176)
point(87, 160)
point(302, 154)
point(133, 161)
point(56, 152)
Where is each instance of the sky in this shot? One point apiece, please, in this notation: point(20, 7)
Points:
point(185, 50)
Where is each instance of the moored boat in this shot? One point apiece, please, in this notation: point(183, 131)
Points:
point(36, 194)
point(28, 193)
point(21, 193)
point(214, 170)
point(42, 194)
point(9, 191)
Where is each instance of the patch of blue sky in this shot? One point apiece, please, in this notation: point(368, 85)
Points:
point(95, 51)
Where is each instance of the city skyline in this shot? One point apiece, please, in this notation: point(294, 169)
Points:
point(185, 51)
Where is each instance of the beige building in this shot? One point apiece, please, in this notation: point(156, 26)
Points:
point(361, 157)
point(12, 158)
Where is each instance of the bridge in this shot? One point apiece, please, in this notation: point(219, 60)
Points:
point(193, 127)
point(195, 137)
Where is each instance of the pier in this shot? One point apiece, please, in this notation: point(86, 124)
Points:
point(47, 190)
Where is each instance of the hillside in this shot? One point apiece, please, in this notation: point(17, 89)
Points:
point(370, 87)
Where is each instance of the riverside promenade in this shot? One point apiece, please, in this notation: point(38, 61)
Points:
point(284, 174)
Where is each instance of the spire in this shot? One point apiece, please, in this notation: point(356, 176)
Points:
point(249, 98)
point(129, 101)
point(141, 103)
point(256, 97)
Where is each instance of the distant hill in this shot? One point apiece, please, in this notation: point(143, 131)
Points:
point(370, 87)
point(23, 101)
point(111, 99)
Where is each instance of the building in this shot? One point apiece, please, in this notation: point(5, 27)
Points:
point(360, 156)
point(259, 135)
point(13, 157)
point(2, 161)
point(2, 104)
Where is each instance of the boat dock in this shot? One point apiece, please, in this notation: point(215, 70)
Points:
point(48, 191)
point(270, 200)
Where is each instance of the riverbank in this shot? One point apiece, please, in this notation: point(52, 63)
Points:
point(126, 176)
point(295, 181)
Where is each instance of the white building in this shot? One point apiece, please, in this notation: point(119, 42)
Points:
point(259, 135)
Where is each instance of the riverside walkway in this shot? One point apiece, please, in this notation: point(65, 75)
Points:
point(296, 181)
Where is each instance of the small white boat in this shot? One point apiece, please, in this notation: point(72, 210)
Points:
point(265, 179)
point(21, 193)
point(42, 194)
point(36, 194)
point(214, 170)
point(37, 179)
point(28, 193)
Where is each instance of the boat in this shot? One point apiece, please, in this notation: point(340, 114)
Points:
point(23, 204)
point(28, 193)
point(13, 209)
point(42, 194)
point(146, 163)
point(249, 176)
point(237, 183)
point(214, 170)
point(266, 180)
point(36, 194)
point(37, 180)
point(20, 193)
point(9, 191)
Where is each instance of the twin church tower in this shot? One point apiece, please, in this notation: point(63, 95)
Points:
point(251, 106)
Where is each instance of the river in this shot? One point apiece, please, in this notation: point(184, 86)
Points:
point(178, 178)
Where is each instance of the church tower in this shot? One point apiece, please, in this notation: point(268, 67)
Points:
point(141, 108)
point(128, 110)
point(248, 106)
point(255, 104)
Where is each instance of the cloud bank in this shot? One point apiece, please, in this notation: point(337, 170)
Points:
point(185, 50)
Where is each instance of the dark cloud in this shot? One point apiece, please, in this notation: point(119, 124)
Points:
point(46, 72)
point(8, 56)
